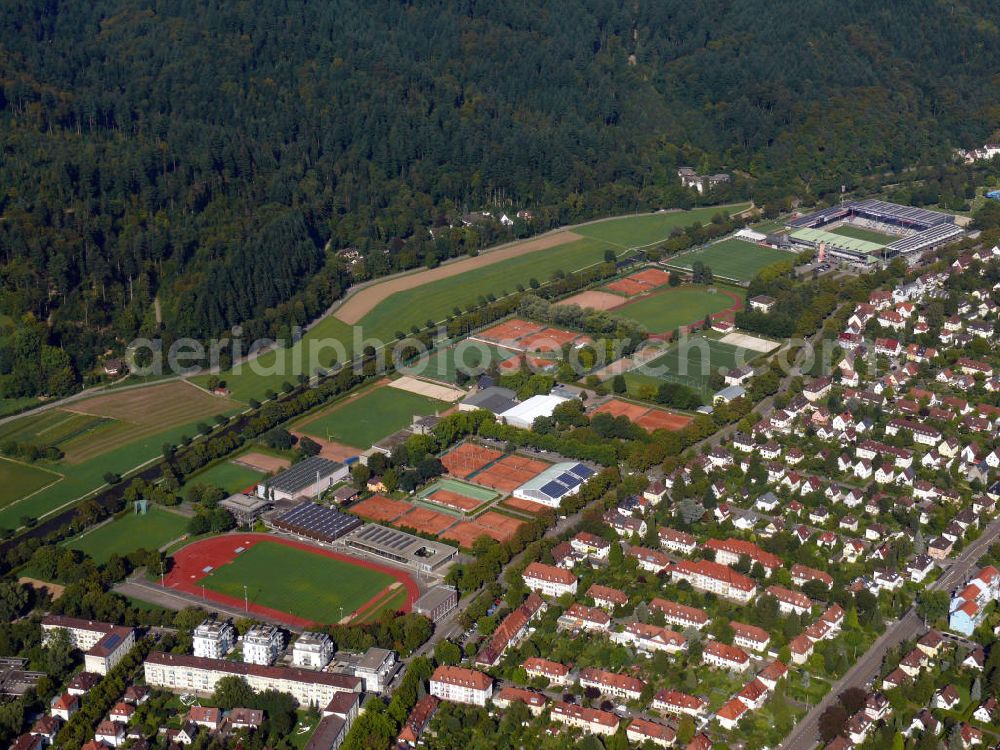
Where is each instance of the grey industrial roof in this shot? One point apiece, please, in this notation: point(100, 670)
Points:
point(303, 474)
point(433, 598)
point(494, 399)
point(316, 522)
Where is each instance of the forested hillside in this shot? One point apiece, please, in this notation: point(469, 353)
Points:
point(216, 153)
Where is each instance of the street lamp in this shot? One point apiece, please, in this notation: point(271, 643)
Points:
point(246, 601)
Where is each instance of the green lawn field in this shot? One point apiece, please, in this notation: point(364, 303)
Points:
point(363, 421)
point(53, 427)
point(690, 363)
point(674, 307)
point(645, 229)
point(19, 480)
point(472, 355)
point(732, 258)
point(10, 406)
point(129, 533)
point(272, 573)
point(860, 233)
point(228, 476)
point(79, 479)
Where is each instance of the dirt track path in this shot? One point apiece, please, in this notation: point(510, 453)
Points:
point(356, 306)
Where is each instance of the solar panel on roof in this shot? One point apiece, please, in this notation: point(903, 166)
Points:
point(553, 489)
point(570, 481)
point(581, 471)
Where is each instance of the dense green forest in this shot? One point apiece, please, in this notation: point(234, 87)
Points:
point(214, 155)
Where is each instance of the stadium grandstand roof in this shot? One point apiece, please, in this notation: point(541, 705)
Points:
point(555, 483)
point(917, 219)
point(315, 521)
point(894, 211)
point(400, 547)
point(923, 240)
point(815, 236)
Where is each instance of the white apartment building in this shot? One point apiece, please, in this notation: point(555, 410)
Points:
point(549, 580)
point(213, 639)
point(461, 685)
point(103, 644)
point(180, 673)
point(262, 644)
point(588, 719)
point(312, 650)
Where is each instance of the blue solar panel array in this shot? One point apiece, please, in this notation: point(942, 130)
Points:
point(567, 481)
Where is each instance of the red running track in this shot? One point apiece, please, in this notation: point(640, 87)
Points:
point(189, 565)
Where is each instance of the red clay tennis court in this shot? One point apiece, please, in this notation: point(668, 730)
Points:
point(504, 525)
point(548, 340)
point(468, 458)
point(510, 330)
point(652, 276)
point(454, 500)
point(648, 418)
point(380, 508)
point(525, 506)
point(536, 364)
point(627, 287)
point(510, 472)
point(426, 521)
point(657, 419)
point(618, 408)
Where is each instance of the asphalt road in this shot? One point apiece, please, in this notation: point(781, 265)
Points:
point(805, 735)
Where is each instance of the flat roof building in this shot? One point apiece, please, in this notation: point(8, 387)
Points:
point(400, 547)
point(213, 639)
point(245, 508)
point(306, 479)
point(523, 415)
point(437, 602)
point(494, 399)
point(312, 650)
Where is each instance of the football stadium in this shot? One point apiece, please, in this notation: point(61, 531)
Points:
point(872, 232)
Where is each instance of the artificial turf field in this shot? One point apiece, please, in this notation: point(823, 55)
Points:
point(362, 421)
point(860, 233)
point(732, 259)
point(305, 584)
point(674, 307)
point(690, 363)
point(129, 533)
point(20, 480)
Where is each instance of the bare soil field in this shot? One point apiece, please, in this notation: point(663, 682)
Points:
point(595, 300)
point(364, 301)
point(263, 462)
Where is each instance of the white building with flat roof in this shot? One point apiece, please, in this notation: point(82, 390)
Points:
point(213, 639)
point(312, 650)
point(524, 414)
point(262, 644)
